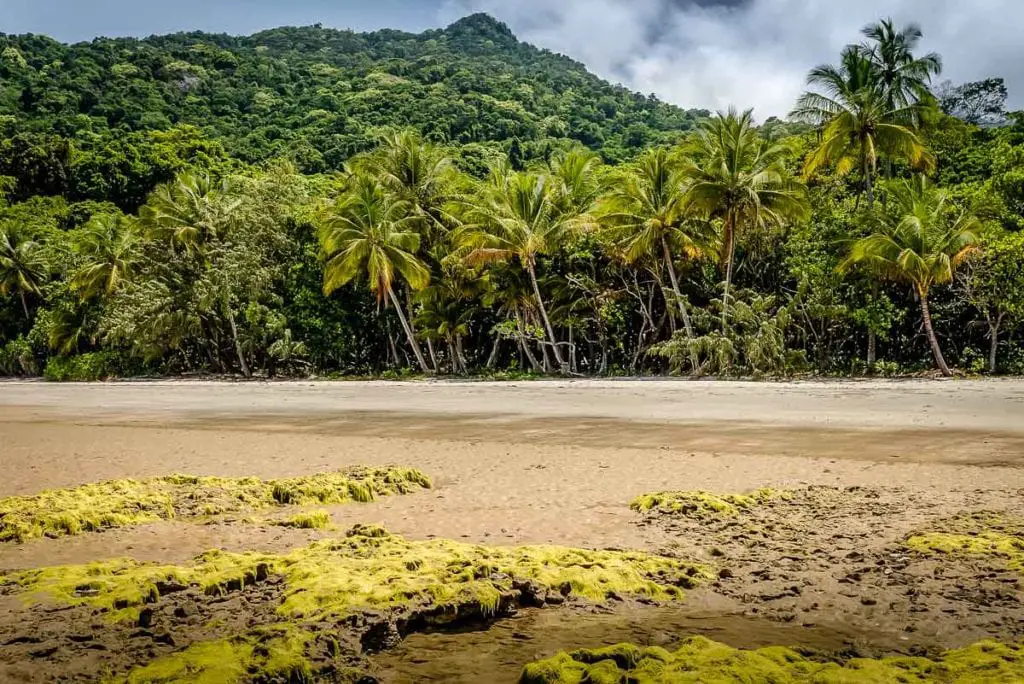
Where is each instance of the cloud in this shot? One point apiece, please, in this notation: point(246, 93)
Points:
point(753, 53)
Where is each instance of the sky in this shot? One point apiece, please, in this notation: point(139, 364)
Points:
point(693, 53)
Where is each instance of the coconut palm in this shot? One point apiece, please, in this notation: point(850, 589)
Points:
point(370, 232)
point(23, 268)
point(417, 172)
point(188, 211)
point(857, 121)
point(739, 179)
point(109, 247)
point(515, 216)
point(904, 78)
point(920, 241)
point(645, 219)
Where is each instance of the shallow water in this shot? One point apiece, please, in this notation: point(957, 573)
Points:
point(498, 654)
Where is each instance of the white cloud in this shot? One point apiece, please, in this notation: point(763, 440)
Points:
point(753, 53)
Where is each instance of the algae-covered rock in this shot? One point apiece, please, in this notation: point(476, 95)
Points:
point(702, 661)
point(703, 505)
point(121, 503)
point(984, 536)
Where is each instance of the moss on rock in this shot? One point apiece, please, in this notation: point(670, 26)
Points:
point(991, 544)
point(121, 503)
point(704, 505)
point(311, 520)
point(708, 662)
point(372, 569)
point(276, 653)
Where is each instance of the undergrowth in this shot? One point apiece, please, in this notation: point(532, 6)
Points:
point(121, 503)
point(700, 660)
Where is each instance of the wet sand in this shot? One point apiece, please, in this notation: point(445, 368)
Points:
point(518, 463)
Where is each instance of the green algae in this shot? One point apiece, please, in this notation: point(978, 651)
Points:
point(704, 505)
point(119, 587)
point(312, 520)
point(276, 653)
point(122, 503)
point(701, 660)
point(982, 535)
point(1006, 547)
point(371, 569)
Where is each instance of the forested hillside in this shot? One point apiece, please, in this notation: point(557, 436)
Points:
point(307, 200)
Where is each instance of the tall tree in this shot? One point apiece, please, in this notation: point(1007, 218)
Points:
point(857, 121)
point(370, 232)
point(188, 211)
point(903, 77)
point(920, 240)
point(515, 216)
point(23, 268)
point(739, 179)
point(645, 217)
point(110, 249)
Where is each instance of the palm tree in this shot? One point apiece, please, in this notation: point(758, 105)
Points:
point(109, 247)
point(921, 242)
point(515, 216)
point(369, 231)
point(22, 267)
point(904, 78)
point(188, 211)
point(645, 217)
point(738, 178)
point(857, 120)
point(417, 172)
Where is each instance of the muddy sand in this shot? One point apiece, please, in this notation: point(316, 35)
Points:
point(559, 462)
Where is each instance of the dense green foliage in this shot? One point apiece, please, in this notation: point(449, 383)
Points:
point(310, 200)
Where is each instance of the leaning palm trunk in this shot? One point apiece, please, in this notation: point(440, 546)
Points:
point(408, 332)
point(680, 299)
point(563, 367)
point(932, 340)
point(24, 305)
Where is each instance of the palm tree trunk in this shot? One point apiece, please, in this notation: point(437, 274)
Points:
point(730, 255)
point(680, 299)
point(493, 358)
point(238, 345)
point(461, 353)
point(408, 332)
point(24, 305)
point(562, 366)
point(432, 354)
point(993, 333)
point(526, 347)
point(454, 358)
point(932, 340)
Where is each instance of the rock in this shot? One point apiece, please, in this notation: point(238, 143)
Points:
point(531, 592)
point(169, 587)
point(45, 650)
point(186, 609)
point(725, 573)
point(868, 601)
point(145, 617)
point(381, 636)
point(164, 638)
point(554, 599)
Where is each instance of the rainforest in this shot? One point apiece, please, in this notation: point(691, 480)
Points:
point(317, 202)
